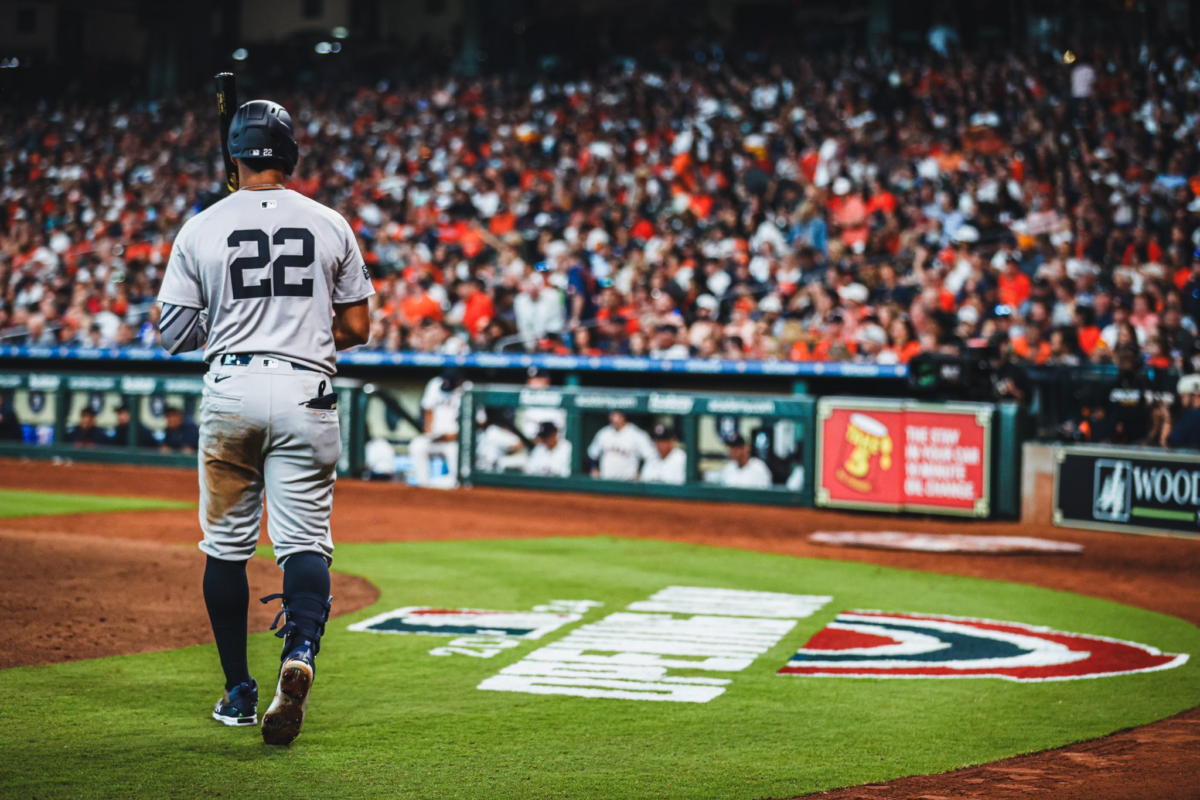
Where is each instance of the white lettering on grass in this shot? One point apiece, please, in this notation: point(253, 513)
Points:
point(629, 655)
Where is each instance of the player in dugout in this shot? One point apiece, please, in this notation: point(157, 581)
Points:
point(744, 471)
point(620, 448)
point(551, 454)
point(669, 464)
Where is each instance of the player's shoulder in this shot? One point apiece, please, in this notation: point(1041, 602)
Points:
point(318, 209)
point(197, 222)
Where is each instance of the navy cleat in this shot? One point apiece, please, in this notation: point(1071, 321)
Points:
point(238, 706)
point(281, 722)
point(302, 632)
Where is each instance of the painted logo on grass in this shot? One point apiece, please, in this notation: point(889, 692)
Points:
point(466, 622)
point(653, 649)
point(876, 644)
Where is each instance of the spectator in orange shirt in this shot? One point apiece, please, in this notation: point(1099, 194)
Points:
point(1015, 286)
point(419, 305)
point(1085, 325)
point(1032, 346)
point(850, 213)
point(902, 342)
point(478, 309)
point(1143, 249)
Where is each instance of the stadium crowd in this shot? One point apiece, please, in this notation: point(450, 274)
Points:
point(764, 206)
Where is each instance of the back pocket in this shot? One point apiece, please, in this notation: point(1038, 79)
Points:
point(219, 403)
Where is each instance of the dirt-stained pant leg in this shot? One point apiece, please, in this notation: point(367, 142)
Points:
point(233, 428)
point(300, 467)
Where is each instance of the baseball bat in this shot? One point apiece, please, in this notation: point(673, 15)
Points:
point(227, 105)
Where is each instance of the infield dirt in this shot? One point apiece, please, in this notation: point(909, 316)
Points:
point(61, 605)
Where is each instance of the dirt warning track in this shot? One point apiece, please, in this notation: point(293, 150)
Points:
point(63, 565)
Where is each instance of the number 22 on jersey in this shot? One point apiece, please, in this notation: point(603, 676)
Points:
point(275, 285)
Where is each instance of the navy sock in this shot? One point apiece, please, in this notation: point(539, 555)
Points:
point(306, 573)
point(227, 596)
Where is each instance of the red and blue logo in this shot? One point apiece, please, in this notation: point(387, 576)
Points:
point(878, 644)
point(466, 622)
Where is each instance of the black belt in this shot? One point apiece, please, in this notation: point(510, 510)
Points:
point(244, 360)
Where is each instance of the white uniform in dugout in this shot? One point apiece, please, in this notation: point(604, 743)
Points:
point(621, 451)
point(442, 436)
point(550, 463)
point(672, 469)
point(267, 267)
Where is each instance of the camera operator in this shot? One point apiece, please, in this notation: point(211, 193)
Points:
point(1124, 416)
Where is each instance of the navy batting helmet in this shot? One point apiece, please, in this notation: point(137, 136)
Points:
point(262, 129)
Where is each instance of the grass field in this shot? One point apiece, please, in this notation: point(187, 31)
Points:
point(15, 503)
point(390, 720)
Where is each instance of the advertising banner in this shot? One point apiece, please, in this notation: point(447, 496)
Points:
point(1127, 489)
point(904, 456)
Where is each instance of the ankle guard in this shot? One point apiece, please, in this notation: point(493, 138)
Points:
point(302, 622)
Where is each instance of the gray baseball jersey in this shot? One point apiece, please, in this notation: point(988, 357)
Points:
point(268, 266)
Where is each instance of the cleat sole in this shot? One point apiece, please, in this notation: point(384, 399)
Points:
point(282, 721)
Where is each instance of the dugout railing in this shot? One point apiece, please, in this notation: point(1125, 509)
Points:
point(41, 416)
point(886, 455)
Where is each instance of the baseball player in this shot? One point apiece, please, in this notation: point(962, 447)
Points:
point(551, 455)
point(743, 471)
point(439, 405)
point(532, 416)
point(620, 447)
point(497, 447)
point(669, 464)
point(271, 284)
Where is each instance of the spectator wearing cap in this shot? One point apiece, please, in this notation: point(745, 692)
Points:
point(1184, 431)
point(705, 327)
point(872, 340)
point(551, 454)
point(669, 463)
point(743, 471)
point(849, 214)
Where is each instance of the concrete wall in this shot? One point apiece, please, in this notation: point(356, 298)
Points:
point(1037, 483)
